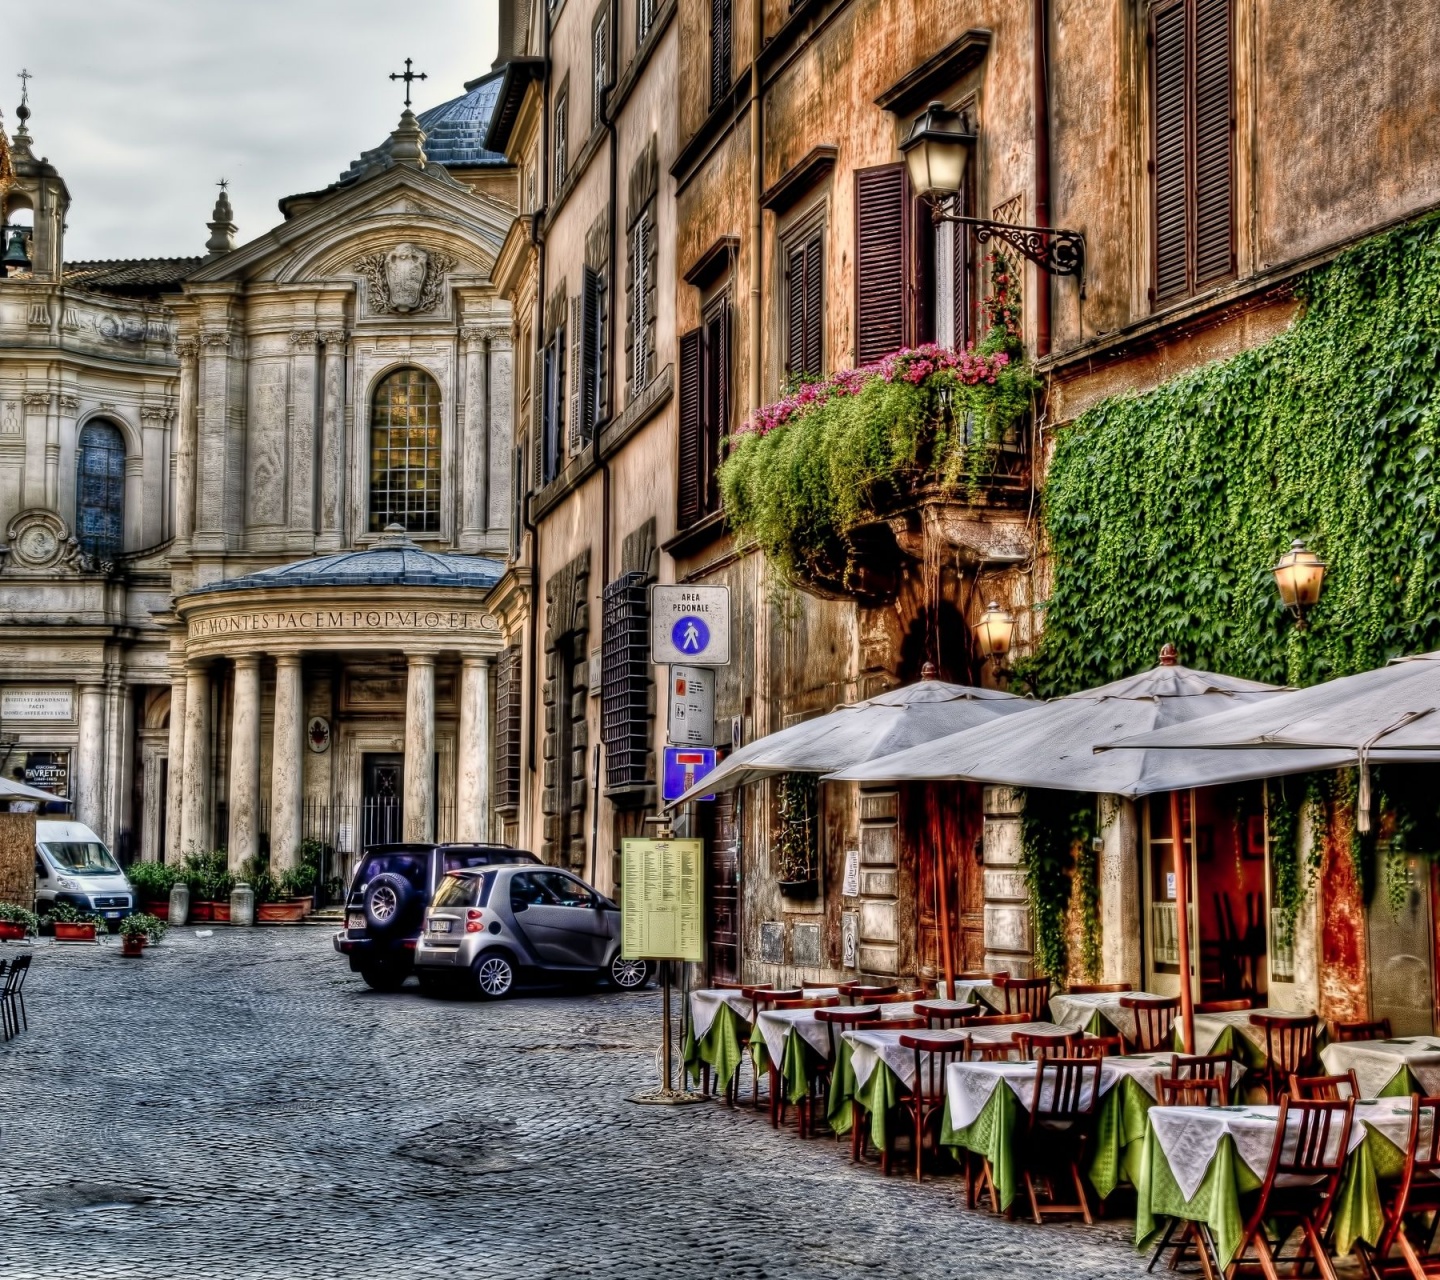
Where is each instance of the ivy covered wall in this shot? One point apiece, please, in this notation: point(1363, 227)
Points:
point(1165, 511)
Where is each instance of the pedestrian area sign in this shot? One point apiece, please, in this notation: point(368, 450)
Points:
point(661, 906)
point(690, 624)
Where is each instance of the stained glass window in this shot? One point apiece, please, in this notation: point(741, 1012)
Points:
point(405, 453)
point(100, 490)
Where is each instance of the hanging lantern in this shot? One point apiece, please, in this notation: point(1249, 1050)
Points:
point(994, 631)
point(1299, 575)
point(936, 150)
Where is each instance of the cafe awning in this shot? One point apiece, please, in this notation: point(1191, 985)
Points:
point(861, 731)
point(1054, 744)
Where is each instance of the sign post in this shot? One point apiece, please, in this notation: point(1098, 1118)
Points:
point(662, 916)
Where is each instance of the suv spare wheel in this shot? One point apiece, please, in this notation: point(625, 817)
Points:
point(386, 898)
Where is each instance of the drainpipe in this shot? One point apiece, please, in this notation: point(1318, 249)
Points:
point(757, 217)
point(611, 296)
point(1041, 15)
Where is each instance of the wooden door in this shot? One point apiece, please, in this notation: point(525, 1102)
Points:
point(722, 888)
point(942, 823)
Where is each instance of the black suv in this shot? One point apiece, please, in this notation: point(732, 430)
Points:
point(385, 907)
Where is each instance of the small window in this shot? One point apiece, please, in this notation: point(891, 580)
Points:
point(562, 139)
point(100, 490)
point(405, 453)
point(803, 299)
point(563, 890)
point(464, 891)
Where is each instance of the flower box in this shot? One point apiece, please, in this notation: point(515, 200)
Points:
point(220, 912)
point(132, 945)
point(159, 908)
point(11, 932)
point(289, 912)
point(66, 931)
point(803, 890)
point(202, 912)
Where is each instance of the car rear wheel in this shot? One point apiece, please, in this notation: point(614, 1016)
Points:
point(629, 975)
point(384, 977)
point(494, 975)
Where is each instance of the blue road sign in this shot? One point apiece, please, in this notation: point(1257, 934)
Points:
point(684, 767)
point(690, 635)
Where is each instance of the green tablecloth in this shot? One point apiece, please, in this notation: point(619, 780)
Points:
point(992, 1135)
point(1216, 1201)
point(879, 1095)
point(1239, 1046)
point(721, 1047)
point(799, 1064)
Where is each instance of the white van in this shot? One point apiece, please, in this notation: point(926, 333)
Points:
point(73, 865)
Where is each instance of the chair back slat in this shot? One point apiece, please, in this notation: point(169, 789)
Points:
point(904, 1024)
point(1097, 988)
point(1154, 1021)
point(860, 992)
point(1193, 1091)
point(807, 1002)
point(997, 1020)
point(1324, 1088)
point(1074, 1089)
point(723, 984)
point(1224, 1006)
point(1345, 1032)
point(765, 999)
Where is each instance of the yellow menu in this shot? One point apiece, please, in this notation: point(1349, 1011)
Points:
point(662, 899)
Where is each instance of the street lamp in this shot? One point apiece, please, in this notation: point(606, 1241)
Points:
point(936, 151)
point(994, 631)
point(1299, 575)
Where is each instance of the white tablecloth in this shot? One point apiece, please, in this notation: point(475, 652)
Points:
point(1210, 1026)
point(1075, 1011)
point(986, 993)
point(1190, 1136)
point(873, 1045)
point(705, 1004)
point(776, 1024)
point(1377, 1062)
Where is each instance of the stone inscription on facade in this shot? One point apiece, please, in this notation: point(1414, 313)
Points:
point(291, 621)
point(37, 704)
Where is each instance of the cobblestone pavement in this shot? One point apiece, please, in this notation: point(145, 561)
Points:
point(242, 1106)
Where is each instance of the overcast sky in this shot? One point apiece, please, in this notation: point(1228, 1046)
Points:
point(143, 104)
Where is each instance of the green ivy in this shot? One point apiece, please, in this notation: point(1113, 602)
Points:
point(1052, 823)
point(1165, 511)
point(797, 795)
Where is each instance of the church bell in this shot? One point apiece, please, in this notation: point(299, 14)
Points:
point(16, 258)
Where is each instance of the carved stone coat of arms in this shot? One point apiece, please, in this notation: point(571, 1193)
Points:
point(405, 279)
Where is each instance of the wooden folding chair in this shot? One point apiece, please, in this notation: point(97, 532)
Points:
point(1345, 1032)
point(1408, 1205)
point(925, 1103)
point(1189, 1091)
point(836, 1021)
point(1062, 1112)
point(1289, 1049)
point(765, 997)
point(1154, 1022)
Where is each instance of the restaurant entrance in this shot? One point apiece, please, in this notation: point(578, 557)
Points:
point(1223, 839)
point(722, 889)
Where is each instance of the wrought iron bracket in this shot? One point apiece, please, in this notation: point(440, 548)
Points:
point(1056, 252)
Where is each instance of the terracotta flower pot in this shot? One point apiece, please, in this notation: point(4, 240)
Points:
point(132, 945)
point(220, 912)
point(11, 932)
point(158, 907)
point(289, 912)
point(69, 932)
point(201, 912)
point(305, 904)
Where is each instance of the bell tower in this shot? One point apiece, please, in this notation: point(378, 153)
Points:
point(33, 203)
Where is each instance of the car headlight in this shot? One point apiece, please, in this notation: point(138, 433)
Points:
point(66, 883)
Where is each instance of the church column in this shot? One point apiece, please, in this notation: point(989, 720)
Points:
point(332, 443)
point(187, 349)
point(303, 442)
point(499, 386)
point(473, 752)
point(287, 781)
point(90, 782)
point(215, 444)
point(194, 779)
point(420, 747)
point(175, 769)
point(245, 762)
point(475, 441)
point(37, 413)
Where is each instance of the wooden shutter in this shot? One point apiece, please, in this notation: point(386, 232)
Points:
point(692, 394)
point(1214, 166)
point(599, 66)
point(548, 433)
point(1168, 95)
point(715, 415)
point(640, 275)
point(814, 301)
point(591, 348)
point(882, 256)
point(721, 26)
point(509, 693)
point(578, 434)
point(804, 297)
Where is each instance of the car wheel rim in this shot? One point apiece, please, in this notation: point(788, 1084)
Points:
point(494, 977)
point(382, 904)
point(628, 973)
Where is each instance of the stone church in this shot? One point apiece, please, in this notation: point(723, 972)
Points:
point(256, 507)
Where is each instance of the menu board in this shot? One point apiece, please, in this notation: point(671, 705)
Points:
point(662, 899)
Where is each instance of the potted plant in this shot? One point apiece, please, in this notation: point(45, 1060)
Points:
point(137, 930)
point(269, 908)
point(73, 925)
point(16, 922)
point(297, 887)
point(210, 881)
point(795, 859)
point(152, 882)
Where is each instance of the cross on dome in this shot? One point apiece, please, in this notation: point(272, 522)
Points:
point(408, 76)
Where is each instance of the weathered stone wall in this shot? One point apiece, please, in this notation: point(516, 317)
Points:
point(17, 858)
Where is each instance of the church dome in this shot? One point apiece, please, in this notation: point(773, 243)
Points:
point(394, 561)
point(454, 132)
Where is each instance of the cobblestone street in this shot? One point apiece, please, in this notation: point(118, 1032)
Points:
point(242, 1106)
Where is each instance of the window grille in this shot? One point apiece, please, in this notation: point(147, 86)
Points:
point(625, 681)
point(100, 490)
point(405, 453)
point(509, 690)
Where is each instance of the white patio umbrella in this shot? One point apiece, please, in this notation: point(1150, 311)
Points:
point(860, 731)
point(1385, 715)
point(11, 790)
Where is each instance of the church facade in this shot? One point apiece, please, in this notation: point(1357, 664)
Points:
point(256, 507)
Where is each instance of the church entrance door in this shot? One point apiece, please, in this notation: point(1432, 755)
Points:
point(382, 801)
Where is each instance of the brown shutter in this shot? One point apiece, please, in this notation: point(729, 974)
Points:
point(795, 310)
point(1214, 166)
point(1168, 94)
point(721, 425)
point(882, 255)
point(690, 499)
point(814, 301)
point(720, 45)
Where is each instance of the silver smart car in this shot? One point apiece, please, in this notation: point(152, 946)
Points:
point(488, 926)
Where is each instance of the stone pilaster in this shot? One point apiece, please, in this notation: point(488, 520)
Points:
point(185, 440)
point(500, 388)
point(420, 747)
point(473, 752)
point(37, 412)
point(90, 779)
point(214, 445)
point(332, 443)
point(245, 762)
point(175, 769)
point(195, 829)
point(287, 779)
point(475, 439)
point(303, 441)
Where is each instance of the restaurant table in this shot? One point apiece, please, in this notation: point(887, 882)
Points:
point(796, 1040)
point(885, 1070)
point(1233, 1033)
point(1198, 1161)
point(716, 1032)
point(984, 1118)
point(986, 993)
point(1097, 1012)
point(1388, 1068)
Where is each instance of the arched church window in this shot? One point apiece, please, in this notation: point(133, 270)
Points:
point(100, 490)
point(405, 453)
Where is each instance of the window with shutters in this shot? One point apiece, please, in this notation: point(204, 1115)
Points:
point(640, 274)
point(100, 490)
point(599, 64)
point(704, 413)
point(587, 359)
point(802, 295)
point(625, 681)
point(562, 136)
point(509, 695)
point(1192, 158)
point(552, 407)
point(722, 26)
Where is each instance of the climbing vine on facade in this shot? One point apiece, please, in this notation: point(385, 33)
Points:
point(1056, 828)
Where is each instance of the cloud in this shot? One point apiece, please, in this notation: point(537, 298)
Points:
point(143, 104)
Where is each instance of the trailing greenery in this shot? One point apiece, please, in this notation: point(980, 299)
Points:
point(805, 471)
point(1052, 824)
point(152, 880)
point(1165, 511)
point(795, 841)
